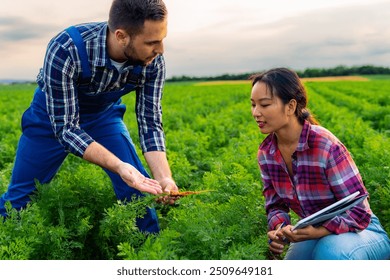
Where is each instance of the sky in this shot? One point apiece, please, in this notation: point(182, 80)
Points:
point(214, 37)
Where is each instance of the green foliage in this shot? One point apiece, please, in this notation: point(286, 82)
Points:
point(13, 101)
point(212, 144)
point(209, 229)
point(368, 100)
point(119, 225)
point(156, 247)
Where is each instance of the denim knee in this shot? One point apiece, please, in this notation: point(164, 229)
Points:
point(369, 244)
point(327, 249)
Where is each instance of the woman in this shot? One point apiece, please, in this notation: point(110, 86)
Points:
point(305, 168)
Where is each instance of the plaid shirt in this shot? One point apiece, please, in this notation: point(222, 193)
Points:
point(62, 70)
point(323, 173)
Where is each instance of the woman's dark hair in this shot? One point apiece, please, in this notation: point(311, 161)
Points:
point(286, 84)
point(131, 15)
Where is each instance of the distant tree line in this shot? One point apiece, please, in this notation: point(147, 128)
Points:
point(307, 73)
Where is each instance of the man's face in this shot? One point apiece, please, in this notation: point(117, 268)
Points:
point(143, 48)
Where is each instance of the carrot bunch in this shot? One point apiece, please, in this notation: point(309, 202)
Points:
point(173, 196)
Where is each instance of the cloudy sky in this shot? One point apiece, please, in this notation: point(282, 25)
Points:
point(212, 37)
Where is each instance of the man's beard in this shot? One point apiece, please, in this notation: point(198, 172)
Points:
point(134, 61)
point(130, 57)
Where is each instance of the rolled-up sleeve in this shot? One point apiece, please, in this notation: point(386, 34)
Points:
point(344, 179)
point(276, 209)
point(149, 109)
point(59, 84)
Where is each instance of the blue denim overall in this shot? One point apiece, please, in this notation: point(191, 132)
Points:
point(39, 155)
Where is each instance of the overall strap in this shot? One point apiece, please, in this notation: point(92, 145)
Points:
point(135, 75)
point(82, 50)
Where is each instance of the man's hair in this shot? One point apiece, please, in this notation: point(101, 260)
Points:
point(131, 15)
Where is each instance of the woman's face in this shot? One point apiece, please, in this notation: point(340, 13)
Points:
point(268, 110)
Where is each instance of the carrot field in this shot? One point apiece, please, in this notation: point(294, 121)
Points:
point(212, 144)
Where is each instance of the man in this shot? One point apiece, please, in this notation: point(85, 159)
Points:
point(77, 106)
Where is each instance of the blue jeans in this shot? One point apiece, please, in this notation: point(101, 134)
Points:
point(370, 244)
point(39, 155)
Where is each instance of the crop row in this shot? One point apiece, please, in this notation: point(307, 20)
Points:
point(369, 105)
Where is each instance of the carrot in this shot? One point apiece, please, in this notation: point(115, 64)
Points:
point(173, 196)
point(186, 193)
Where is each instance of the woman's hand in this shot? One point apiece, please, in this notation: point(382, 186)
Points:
point(135, 179)
point(305, 233)
point(277, 240)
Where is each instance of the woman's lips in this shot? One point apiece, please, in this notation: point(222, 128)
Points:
point(261, 124)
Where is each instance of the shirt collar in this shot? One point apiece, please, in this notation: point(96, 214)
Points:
point(304, 138)
point(269, 144)
point(101, 56)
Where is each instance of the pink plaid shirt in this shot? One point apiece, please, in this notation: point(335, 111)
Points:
point(323, 173)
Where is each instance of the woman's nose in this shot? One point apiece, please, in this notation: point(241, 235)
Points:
point(256, 112)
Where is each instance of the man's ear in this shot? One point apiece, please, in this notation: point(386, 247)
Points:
point(122, 37)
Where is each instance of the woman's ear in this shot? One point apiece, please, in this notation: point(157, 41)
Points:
point(291, 107)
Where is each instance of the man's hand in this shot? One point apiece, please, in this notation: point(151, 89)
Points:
point(135, 179)
point(161, 171)
point(168, 185)
point(99, 155)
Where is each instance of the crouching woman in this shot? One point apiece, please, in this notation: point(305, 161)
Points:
point(305, 168)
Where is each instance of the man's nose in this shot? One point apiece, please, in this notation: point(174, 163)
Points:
point(159, 49)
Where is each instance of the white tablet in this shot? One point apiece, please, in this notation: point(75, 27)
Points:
point(330, 211)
